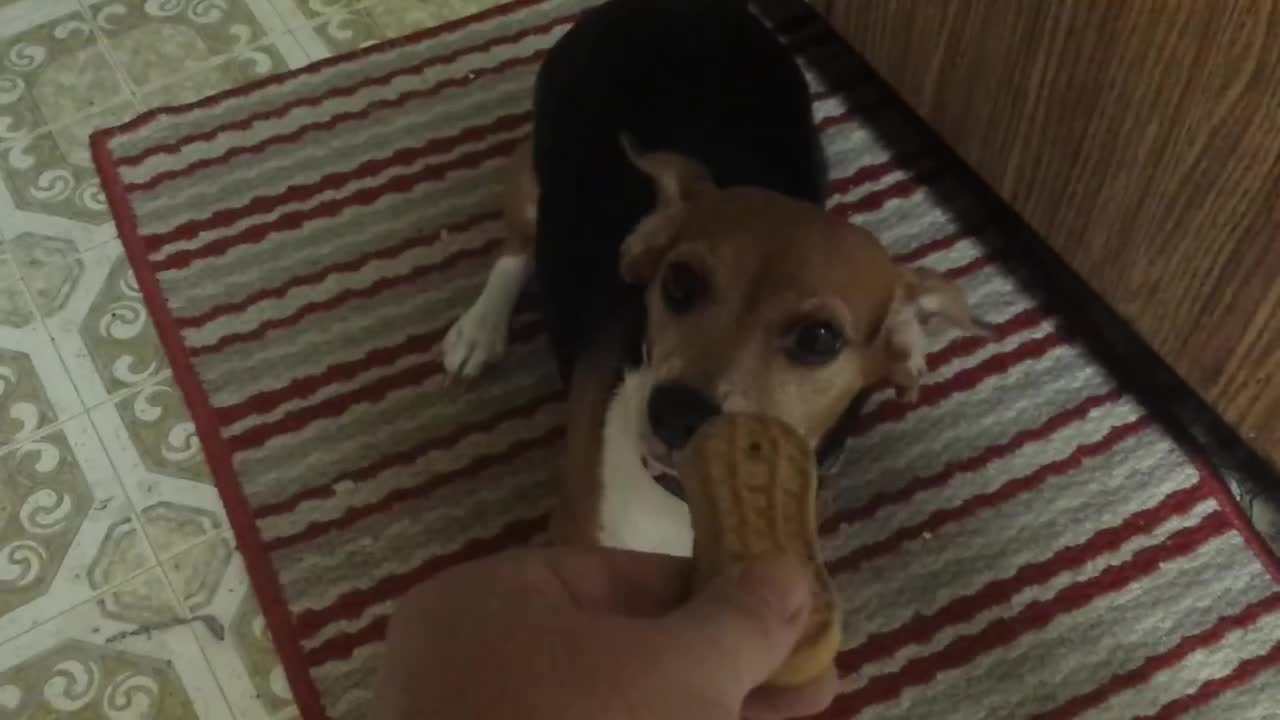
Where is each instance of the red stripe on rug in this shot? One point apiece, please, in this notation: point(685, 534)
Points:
point(1136, 676)
point(974, 265)
point(894, 410)
point(256, 232)
point(350, 604)
point(998, 592)
point(335, 373)
point(257, 563)
point(396, 184)
point(295, 219)
point(964, 345)
point(972, 463)
point(375, 468)
point(524, 326)
point(337, 300)
point(408, 455)
point(899, 190)
point(348, 265)
point(289, 503)
point(1211, 689)
point(1037, 615)
point(935, 246)
point(298, 192)
point(385, 283)
point(336, 405)
point(1011, 489)
point(836, 120)
point(265, 401)
point(357, 513)
point(862, 175)
point(956, 349)
point(1217, 486)
point(460, 433)
point(392, 45)
point(339, 92)
point(333, 121)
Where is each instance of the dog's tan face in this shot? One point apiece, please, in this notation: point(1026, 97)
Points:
point(759, 303)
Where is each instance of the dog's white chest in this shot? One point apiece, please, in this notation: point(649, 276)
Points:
point(635, 512)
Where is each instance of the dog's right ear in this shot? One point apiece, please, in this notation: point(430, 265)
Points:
point(920, 297)
point(676, 181)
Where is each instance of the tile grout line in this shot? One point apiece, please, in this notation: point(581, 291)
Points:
point(133, 93)
point(179, 603)
point(84, 409)
point(95, 597)
point(105, 47)
point(186, 613)
point(66, 369)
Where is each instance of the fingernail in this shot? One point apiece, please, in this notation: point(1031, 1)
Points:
point(779, 585)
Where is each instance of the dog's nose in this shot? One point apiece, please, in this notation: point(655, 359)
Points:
point(677, 411)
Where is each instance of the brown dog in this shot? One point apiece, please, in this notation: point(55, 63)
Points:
point(750, 297)
point(764, 303)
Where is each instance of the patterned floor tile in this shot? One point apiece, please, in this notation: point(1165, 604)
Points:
point(102, 329)
point(153, 446)
point(154, 42)
point(55, 69)
point(35, 389)
point(398, 17)
point(16, 309)
point(211, 580)
point(303, 12)
point(338, 32)
point(329, 27)
point(271, 57)
point(56, 86)
point(130, 655)
point(67, 529)
point(50, 268)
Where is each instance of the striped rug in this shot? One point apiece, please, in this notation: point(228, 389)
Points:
point(1024, 541)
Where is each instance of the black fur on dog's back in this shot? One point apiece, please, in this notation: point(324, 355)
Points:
point(704, 78)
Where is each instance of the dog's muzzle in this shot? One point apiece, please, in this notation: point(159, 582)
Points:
point(676, 411)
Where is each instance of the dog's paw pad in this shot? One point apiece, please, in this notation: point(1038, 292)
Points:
point(475, 341)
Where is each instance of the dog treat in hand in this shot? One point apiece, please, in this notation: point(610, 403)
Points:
point(751, 483)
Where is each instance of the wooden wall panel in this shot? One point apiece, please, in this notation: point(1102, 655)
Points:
point(1141, 138)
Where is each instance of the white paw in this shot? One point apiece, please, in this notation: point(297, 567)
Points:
point(475, 341)
point(918, 365)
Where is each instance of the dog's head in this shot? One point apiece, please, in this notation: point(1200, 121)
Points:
point(760, 303)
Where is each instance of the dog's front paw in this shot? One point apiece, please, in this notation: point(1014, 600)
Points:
point(475, 341)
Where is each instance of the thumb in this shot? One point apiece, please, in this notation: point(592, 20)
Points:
point(741, 627)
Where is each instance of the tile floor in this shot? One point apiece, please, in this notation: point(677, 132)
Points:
point(108, 521)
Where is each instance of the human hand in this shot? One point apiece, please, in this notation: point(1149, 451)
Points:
point(596, 634)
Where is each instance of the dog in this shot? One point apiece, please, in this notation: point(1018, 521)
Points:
point(669, 208)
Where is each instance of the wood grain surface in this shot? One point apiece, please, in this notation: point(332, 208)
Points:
point(1140, 138)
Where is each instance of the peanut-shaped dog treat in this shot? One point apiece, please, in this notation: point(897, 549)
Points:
point(751, 483)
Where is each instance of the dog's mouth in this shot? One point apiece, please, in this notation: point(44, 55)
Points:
point(664, 476)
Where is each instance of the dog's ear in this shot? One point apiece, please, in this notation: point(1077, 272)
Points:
point(921, 296)
point(676, 181)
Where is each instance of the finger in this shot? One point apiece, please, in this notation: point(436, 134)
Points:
point(742, 627)
point(620, 581)
point(775, 703)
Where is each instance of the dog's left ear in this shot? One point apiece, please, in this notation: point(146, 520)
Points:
point(676, 181)
point(921, 296)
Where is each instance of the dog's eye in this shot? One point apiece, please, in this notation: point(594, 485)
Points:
point(682, 288)
point(814, 343)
